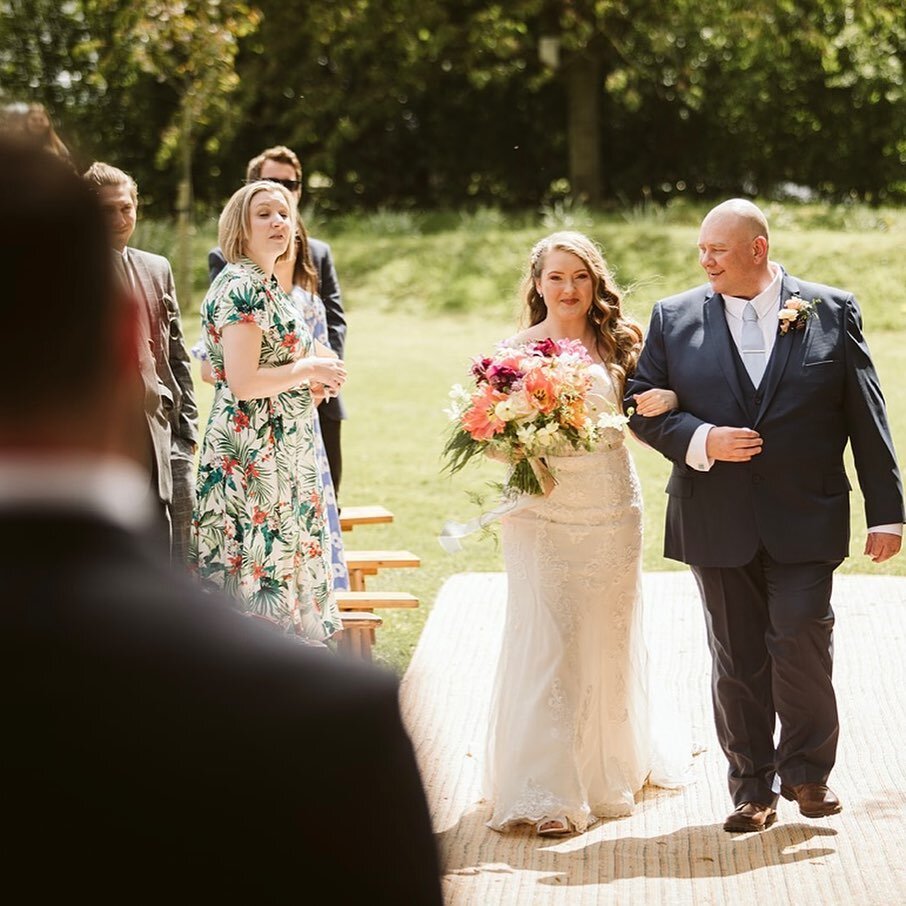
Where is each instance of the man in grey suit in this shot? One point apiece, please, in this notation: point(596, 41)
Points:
point(280, 164)
point(173, 417)
point(774, 377)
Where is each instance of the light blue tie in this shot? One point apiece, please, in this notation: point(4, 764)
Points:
point(752, 345)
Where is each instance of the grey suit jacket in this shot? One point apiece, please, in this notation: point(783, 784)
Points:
point(329, 291)
point(155, 281)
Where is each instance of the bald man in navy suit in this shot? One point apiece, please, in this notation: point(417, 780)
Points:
point(774, 377)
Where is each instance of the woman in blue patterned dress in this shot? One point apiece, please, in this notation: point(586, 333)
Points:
point(298, 278)
point(259, 527)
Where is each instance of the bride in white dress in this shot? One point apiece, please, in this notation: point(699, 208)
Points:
point(573, 736)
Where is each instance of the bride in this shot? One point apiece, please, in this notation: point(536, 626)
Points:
point(572, 736)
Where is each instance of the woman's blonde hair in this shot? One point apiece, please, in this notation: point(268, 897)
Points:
point(618, 338)
point(233, 226)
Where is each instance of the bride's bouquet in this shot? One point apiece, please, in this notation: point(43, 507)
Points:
point(528, 402)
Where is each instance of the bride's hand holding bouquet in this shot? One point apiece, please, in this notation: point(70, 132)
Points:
point(529, 401)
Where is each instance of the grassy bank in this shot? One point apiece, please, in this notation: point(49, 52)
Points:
point(423, 296)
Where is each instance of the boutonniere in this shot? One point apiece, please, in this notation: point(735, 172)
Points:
point(795, 313)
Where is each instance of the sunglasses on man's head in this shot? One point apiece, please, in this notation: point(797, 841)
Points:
point(291, 184)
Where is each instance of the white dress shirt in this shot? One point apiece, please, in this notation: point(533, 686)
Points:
point(767, 306)
point(111, 488)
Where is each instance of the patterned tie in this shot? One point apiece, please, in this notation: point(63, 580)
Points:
point(752, 345)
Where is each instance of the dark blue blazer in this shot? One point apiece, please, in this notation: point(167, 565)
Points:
point(819, 391)
point(329, 291)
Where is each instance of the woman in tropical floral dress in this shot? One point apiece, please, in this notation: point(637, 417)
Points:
point(259, 525)
point(298, 278)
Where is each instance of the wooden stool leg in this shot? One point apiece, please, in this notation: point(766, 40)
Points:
point(366, 637)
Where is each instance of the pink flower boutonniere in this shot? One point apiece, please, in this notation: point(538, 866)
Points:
point(795, 313)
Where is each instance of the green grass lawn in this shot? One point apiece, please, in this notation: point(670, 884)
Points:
point(421, 303)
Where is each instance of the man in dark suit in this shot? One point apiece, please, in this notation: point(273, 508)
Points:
point(281, 165)
point(150, 277)
point(158, 745)
point(774, 377)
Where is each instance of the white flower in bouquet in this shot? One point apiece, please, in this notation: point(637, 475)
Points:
point(460, 399)
point(616, 420)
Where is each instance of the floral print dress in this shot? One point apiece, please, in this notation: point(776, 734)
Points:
point(259, 529)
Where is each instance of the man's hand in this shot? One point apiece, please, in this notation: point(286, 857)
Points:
point(881, 546)
point(733, 444)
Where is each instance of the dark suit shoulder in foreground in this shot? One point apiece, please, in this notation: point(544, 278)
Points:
point(160, 742)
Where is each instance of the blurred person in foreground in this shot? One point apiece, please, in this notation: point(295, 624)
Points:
point(171, 411)
point(281, 165)
point(157, 745)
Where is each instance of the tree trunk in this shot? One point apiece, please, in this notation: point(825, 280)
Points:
point(583, 88)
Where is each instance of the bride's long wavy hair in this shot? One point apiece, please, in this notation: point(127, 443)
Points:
point(617, 337)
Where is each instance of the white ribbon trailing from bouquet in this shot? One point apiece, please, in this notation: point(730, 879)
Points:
point(453, 531)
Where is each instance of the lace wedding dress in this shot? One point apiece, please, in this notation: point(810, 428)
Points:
point(572, 728)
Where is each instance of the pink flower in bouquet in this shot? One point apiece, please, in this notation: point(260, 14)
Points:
point(542, 389)
point(503, 377)
point(481, 420)
point(479, 369)
point(546, 347)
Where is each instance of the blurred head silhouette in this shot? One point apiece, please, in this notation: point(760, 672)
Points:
point(73, 387)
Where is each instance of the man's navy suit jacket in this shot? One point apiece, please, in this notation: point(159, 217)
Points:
point(820, 390)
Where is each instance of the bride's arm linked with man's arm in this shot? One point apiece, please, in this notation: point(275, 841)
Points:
point(651, 403)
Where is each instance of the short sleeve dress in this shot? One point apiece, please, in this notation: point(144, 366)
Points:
point(259, 528)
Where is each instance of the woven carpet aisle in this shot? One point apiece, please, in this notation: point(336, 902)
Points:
point(672, 851)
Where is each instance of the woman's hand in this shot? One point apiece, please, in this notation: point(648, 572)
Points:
point(496, 455)
point(655, 402)
point(329, 372)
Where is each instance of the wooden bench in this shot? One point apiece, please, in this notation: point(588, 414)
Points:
point(357, 636)
point(360, 621)
point(374, 600)
point(367, 563)
point(357, 606)
point(351, 516)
